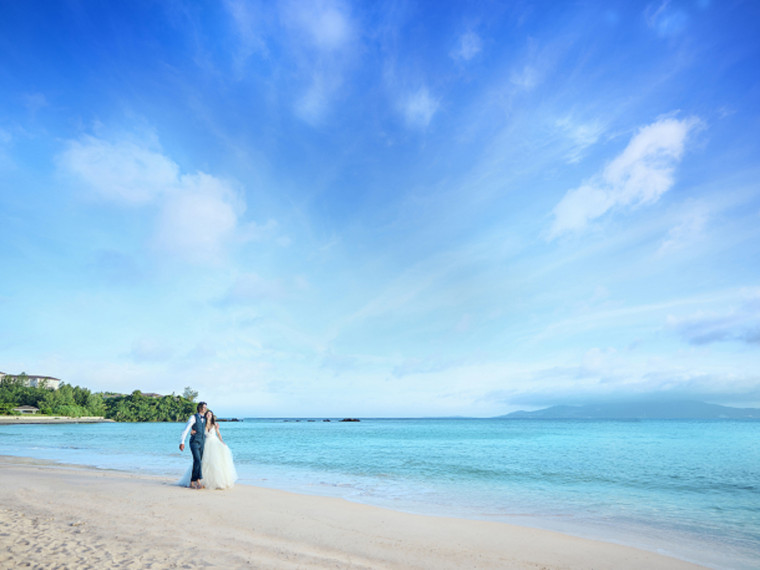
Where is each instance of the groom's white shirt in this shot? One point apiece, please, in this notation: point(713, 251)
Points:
point(188, 427)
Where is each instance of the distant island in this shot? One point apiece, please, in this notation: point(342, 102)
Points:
point(669, 410)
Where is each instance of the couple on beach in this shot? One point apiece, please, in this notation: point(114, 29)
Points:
point(212, 466)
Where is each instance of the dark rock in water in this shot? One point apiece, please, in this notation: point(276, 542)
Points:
point(325, 420)
point(228, 420)
point(350, 420)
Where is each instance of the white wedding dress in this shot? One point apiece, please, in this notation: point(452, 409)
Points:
point(217, 466)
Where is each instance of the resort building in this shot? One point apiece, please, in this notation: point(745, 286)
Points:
point(46, 381)
point(35, 381)
point(26, 410)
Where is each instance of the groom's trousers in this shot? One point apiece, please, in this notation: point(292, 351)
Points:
point(196, 448)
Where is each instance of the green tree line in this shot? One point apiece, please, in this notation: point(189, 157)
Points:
point(76, 402)
point(136, 407)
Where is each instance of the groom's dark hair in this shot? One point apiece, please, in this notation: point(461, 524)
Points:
point(199, 406)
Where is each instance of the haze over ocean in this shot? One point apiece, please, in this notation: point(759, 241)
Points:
point(686, 488)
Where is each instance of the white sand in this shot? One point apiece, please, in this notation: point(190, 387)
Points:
point(54, 516)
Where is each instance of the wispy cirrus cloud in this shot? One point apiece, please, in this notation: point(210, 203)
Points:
point(326, 25)
point(419, 107)
point(581, 135)
point(467, 47)
point(689, 228)
point(316, 37)
point(526, 78)
point(248, 20)
point(665, 19)
point(637, 176)
point(322, 35)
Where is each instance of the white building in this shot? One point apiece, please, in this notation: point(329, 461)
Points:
point(36, 381)
point(46, 381)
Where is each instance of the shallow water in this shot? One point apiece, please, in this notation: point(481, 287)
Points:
point(685, 488)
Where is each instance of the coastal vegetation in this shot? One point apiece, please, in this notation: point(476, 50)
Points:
point(77, 402)
point(138, 407)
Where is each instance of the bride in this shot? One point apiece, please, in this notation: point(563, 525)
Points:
point(217, 466)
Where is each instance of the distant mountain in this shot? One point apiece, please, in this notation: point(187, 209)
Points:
point(639, 411)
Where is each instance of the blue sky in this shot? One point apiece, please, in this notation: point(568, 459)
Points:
point(328, 208)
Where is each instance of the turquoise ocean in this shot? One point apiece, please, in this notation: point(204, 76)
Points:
point(689, 489)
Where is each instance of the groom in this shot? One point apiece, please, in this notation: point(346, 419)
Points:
point(196, 423)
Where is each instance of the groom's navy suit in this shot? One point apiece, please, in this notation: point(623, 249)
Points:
point(197, 440)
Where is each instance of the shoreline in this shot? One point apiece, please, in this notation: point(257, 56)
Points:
point(35, 419)
point(72, 516)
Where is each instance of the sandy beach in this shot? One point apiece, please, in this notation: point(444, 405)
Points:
point(56, 516)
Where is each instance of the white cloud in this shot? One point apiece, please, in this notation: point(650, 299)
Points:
point(319, 36)
point(688, 230)
point(325, 24)
point(198, 214)
point(468, 46)
point(247, 18)
point(199, 218)
point(122, 172)
point(581, 136)
point(322, 36)
point(578, 207)
point(418, 108)
point(526, 78)
point(666, 20)
point(639, 175)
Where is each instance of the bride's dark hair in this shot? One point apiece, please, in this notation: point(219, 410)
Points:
point(213, 418)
